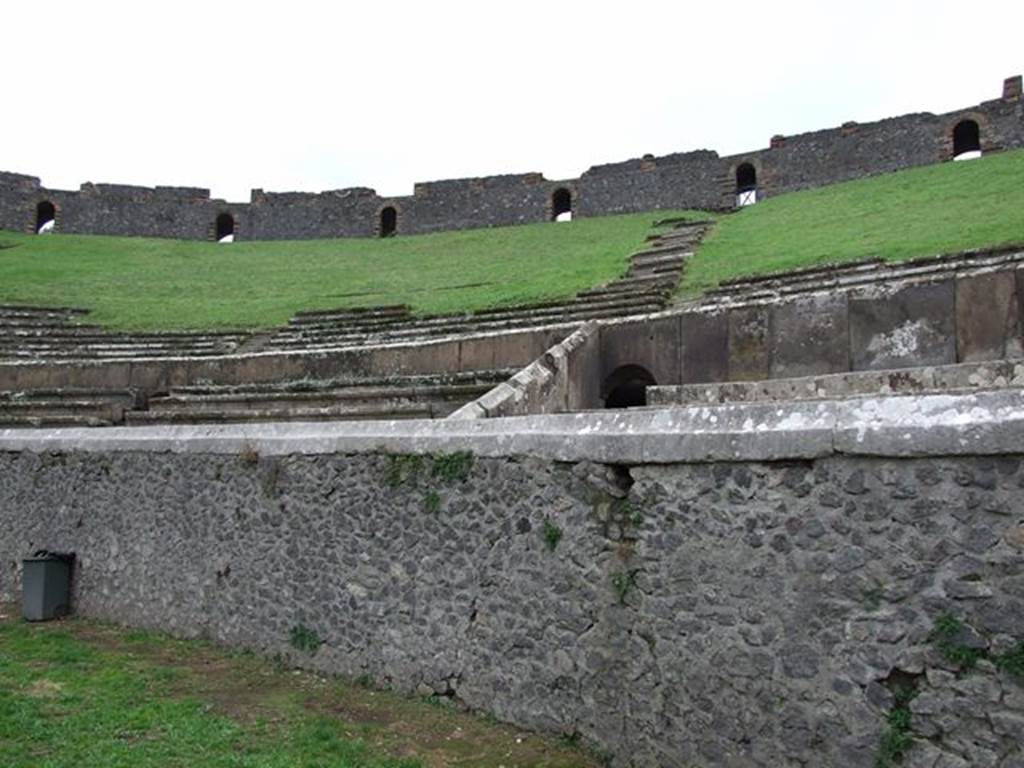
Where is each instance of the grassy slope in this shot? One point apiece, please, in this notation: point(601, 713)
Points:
point(147, 284)
point(919, 212)
point(139, 283)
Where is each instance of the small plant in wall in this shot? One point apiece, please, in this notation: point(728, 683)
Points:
point(552, 535)
point(945, 636)
point(897, 738)
point(948, 635)
point(432, 502)
point(452, 468)
point(305, 639)
point(403, 469)
point(1012, 662)
point(623, 583)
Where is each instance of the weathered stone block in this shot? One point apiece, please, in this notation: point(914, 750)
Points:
point(810, 336)
point(703, 347)
point(988, 312)
point(749, 354)
point(909, 327)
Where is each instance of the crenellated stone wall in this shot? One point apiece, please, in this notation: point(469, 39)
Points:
point(700, 179)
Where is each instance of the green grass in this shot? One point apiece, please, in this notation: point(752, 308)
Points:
point(64, 703)
point(83, 694)
point(918, 212)
point(151, 284)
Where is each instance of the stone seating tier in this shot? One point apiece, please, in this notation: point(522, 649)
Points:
point(396, 397)
point(647, 286)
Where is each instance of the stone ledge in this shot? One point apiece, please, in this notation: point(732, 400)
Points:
point(983, 423)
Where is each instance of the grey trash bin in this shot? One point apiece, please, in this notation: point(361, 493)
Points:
point(45, 587)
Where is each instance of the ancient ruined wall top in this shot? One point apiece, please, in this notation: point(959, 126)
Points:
point(695, 179)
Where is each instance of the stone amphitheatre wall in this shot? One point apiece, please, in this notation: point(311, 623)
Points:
point(958, 318)
point(700, 179)
point(726, 586)
point(959, 308)
point(480, 352)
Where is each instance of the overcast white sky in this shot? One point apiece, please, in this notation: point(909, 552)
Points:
point(311, 96)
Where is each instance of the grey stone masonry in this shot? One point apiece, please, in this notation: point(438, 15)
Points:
point(737, 585)
point(698, 179)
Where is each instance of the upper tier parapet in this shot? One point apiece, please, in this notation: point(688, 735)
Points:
point(695, 179)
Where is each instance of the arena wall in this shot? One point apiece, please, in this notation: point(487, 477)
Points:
point(729, 586)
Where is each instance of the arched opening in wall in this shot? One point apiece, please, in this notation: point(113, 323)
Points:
point(388, 222)
point(966, 140)
point(46, 217)
point(746, 185)
point(225, 228)
point(626, 387)
point(561, 205)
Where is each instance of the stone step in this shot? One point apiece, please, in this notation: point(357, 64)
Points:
point(643, 290)
point(484, 377)
point(665, 271)
point(743, 283)
point(93, 333)
point(681, 223)
point(368, 324)
point(28, 310)
point(46, 340)
point(90, 393)
point(399, 311)
point(64, 350)
point(108, 411)
point(860, 274)
point(675, 248)
point(327, 340)
point(960, 377)
point(15, 323)
point(892, 281)
point(290, 413)
point(392, 397)
point(57, 420)
point(498, 318)
point(674, 260)
point(690, 239)
point(90, 354)
point(635, 283)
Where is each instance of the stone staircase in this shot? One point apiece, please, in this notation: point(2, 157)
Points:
point(67, 407)
point(32, 333)
point(647, 286)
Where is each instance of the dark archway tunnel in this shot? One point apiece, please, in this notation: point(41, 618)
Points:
point(966, 138)
point(225, 226)
point(626, 387)
point(45, 213)
point(388, 221)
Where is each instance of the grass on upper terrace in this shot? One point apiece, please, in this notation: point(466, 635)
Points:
point(918, 212)
point(151, 284)
point(81, 694)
